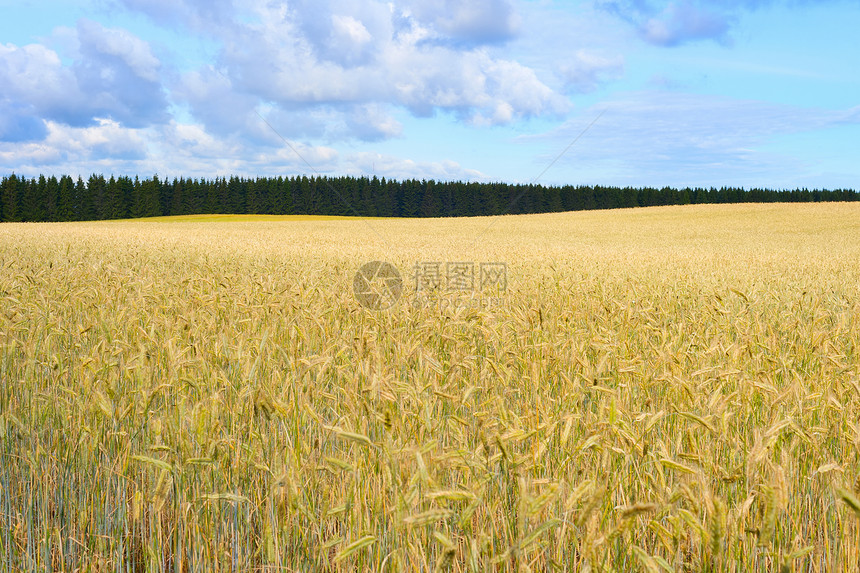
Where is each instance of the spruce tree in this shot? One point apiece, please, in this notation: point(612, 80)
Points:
point(9, 198)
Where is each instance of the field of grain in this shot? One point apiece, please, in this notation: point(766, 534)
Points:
point(662, 389)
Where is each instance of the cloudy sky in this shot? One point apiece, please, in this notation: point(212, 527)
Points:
point(679, 92)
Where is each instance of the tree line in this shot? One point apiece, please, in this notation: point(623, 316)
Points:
point(66, 199)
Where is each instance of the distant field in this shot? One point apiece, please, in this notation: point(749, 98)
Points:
point(661, 389)
point(227, 218)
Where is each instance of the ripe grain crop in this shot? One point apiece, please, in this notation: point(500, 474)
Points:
point(664, 389)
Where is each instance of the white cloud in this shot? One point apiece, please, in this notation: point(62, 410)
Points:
point(675, 138)
point(35, 81)
point(371, 122)
point(320, 70)
point(585, 70)
point(469, 21)
point(189, 150)
point(389, 166)
point(223, 110)
point(172, 149)
point(341, 32)
point(349, 33)
point(119, 43)
point(119, 75)
point(107, 139)
point(65, 145)
point(675, 22)
point(684, 21)
point(341, 57)
point(19, 123)
point(113, 75)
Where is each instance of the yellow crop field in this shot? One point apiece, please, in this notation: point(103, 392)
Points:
point(662, 389)
point(245, 218)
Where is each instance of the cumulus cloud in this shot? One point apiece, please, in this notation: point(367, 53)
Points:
point(19, 123)
point(372, 122)
point(119, 75)
point(63, 144)
point(675, 22)
point(214, 101)
point(345, 33)
point(585, 70)
point(399, 168)
point(98, 41)
point(106, 139)
point(470, 21)
point(38, 86)
point(682, 22)
point(170, 149)
point(467, 22)
point(189, 150)
point(113, 75)
point(323, 70)
point(344, 58)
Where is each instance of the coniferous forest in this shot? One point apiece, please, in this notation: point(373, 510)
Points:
point(66, 199)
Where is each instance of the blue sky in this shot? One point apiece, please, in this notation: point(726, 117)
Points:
point(688, 92)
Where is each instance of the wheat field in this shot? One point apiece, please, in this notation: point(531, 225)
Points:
point(662, 389)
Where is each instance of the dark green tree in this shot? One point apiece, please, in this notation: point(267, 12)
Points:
point(9, 197)
point(52, 195)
